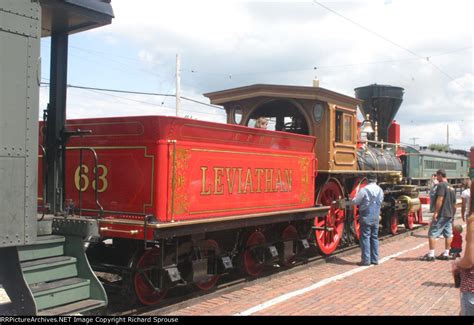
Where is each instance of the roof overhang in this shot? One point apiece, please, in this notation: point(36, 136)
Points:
point(73, 16)
point(280, 91)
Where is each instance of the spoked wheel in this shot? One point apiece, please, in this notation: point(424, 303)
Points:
point(252, 265)
point(329, 228)
point(394, 223)
point(358, 185)
point(419, 215)
point(410, 220)
point(146, 276)
point(290, 233)
point(211, 248)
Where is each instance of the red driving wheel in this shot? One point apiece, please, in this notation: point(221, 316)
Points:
point(410, 220)
point(358, 185)
point(252, 266)
point(146, 270)
point(329, 228)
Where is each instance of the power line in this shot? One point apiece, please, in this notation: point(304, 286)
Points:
point(343, 65)
point(136, 93)
point(427, 59)
point(367, 30)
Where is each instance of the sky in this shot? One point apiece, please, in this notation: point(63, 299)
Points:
point(424, 46)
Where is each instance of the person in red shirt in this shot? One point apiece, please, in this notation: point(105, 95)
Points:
point(456, 244)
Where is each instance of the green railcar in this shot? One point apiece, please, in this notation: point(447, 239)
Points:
point(421, 163)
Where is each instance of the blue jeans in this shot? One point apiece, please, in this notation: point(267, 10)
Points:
point(369, 242)
point(467, 304)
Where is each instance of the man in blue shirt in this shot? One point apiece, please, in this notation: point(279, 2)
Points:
point(369, 200)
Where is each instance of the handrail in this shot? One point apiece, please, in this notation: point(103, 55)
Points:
point(96, 177)
point(45, 176)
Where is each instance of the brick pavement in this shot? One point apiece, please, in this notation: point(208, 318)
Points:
point(402, 285)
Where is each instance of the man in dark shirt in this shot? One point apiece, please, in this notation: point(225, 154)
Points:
point(441, 223)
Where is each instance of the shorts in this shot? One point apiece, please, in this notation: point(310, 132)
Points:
point(467, 303)
point(443, 226)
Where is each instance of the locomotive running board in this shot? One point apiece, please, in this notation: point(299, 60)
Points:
point(188, 227)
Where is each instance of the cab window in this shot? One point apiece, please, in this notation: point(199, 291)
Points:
point(344, 127)
point(347, 128)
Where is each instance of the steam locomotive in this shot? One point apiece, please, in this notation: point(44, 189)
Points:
point(182, 201)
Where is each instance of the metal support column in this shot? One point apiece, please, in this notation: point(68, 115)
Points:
point(56, 139)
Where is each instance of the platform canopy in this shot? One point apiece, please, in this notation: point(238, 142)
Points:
point(73, 16)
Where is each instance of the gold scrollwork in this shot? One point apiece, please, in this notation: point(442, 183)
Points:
point(181, 201)
point(305, 179)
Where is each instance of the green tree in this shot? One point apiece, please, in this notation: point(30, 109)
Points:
point(439, 147)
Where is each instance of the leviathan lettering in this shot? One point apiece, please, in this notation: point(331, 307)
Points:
point(239, 180)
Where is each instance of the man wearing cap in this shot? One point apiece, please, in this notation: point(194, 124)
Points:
point(442, 221)
point(369, 200)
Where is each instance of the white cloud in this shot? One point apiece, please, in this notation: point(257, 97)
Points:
point(224, 44)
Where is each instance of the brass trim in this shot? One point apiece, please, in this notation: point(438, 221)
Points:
point(360, 171)
point(247, 208)
point(130, 232)
point(374, 158)
point(344, 145)
point(128, 213)
point(246, 153)
point(352, 111)
point(337, 154)
point(211, 220)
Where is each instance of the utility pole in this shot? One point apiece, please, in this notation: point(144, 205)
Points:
point(447, 136)
point(414, 138)
point(178, 86)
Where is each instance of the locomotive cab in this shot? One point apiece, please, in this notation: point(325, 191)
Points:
point(327, 115)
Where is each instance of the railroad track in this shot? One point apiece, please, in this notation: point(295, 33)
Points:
point(184, 296)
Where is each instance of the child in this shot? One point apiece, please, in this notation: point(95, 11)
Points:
point(261, 123)
point(456, 244)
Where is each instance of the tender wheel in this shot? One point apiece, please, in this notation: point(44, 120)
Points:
point(394, 223)
point(410, 220)
point(329, 229)
point(419, 215)
point(145, 275)
point(211, 247)
point(358, 185)
point(252, 265)
point(290, 233)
